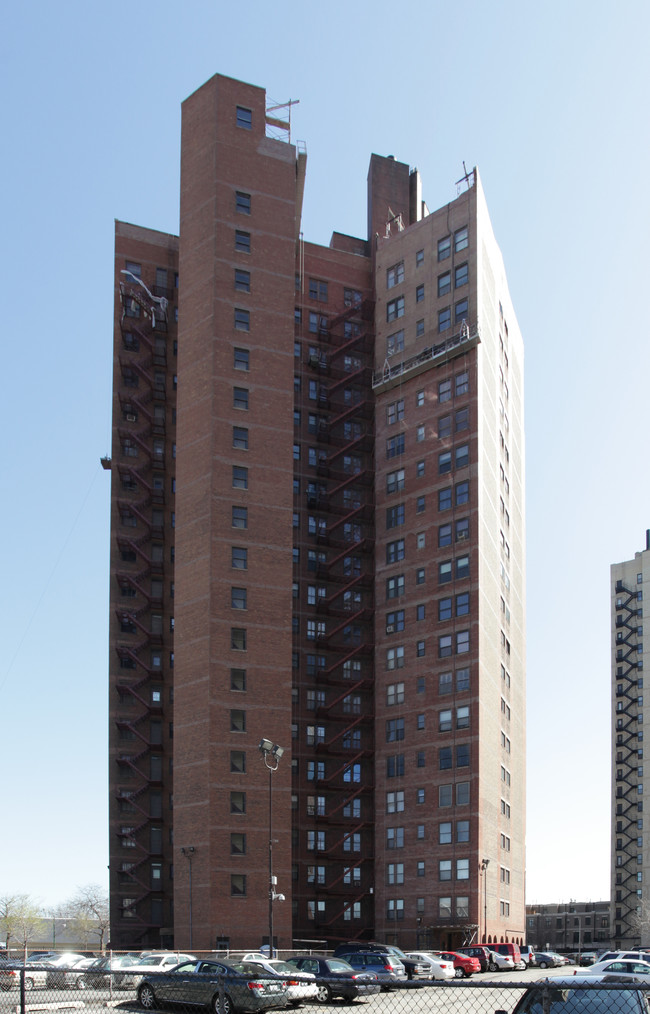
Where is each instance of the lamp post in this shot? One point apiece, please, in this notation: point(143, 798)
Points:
point(271, 754)
point(189, 855)
point(484, 865)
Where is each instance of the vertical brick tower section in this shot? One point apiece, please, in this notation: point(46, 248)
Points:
point(234, 506)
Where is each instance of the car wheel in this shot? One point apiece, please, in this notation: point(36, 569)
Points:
point(467, 974)
point(459, 973)
point(492, 966)
point(81, 983)
point(29, 984)
point(146, 997)
point(543, 964)
point(324, 994)
point(227, 1007)
point(525, 964)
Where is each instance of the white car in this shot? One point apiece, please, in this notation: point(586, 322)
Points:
point(301, 986)
point(436, 968)
point(501, 962)
point(162, 961)
point(622, 967)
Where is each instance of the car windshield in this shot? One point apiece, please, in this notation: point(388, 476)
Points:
point(396, 951)
point(280, 966)
point(336, 965)
point(580, 1001)
point(152, 960)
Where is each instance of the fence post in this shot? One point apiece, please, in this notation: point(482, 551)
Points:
point(22, 989)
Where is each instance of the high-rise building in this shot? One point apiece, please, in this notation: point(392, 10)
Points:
point(317, 541)
point(630, 872)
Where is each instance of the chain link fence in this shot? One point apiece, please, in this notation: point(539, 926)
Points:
point(34, 988)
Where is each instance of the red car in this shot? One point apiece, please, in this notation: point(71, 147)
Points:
point(464, 965)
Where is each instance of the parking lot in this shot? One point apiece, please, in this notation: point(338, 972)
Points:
point(480, 994)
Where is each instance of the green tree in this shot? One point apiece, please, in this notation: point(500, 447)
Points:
point(20, 919)
point(89, 910)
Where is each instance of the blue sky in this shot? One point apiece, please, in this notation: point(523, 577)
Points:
point(550, 101)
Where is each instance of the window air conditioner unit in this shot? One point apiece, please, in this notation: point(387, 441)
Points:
point(390, 628)
point(130, 417)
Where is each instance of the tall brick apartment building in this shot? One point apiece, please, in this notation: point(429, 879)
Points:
point(630, 869)
point(317, 538)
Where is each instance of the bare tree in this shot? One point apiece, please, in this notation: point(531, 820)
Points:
point(20, 918)
point(89, 910)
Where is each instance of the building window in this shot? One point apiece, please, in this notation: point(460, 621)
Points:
point(237, 720)
point(444, 535)
point(419, 328)
point(394, 730)
point(240, 437)
point(242, 280)
point(395, 481)
point(240, 398)
point(444, 646)
point(395, 446)
point(237, 844)
point(444, 572)
point(394, 694)
point(241, 359)
point(395, 343)
point(242, 320)
point(462, 383)
point(444, 869)
point(462, 869)
point(462, 793)
point(238, 639)
point(419, 258)
point(318, 290)
point(444, 248)
point(462, 566)
point(462, 642)
point(444, 462)
point(461, 239)
point(395, 658)
point(395, 275)
point(239, 558)
point(419, 293)
point(444, 283)
point(461, 310)
point(395, 309)
point(244, 117)
point(242, 241)
point(394, 837)
point(444, 319)
point(242, 203)
point(239, 477)
point(395, 412)
point(395, 586)
point(238, 802)
point(240, 516)
point(461, 275)
point(395, 516)
point(395, 551)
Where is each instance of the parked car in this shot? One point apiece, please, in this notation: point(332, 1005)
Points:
point(478, 951)
point(336, 977)
point(198, 982)
point(61, 977)
point(464, 965)
point(35, 974)
point(587, 958)
point(500, 962)
point(624, 955)
point(412, 970)
point(386, 967)
point(527, 955)
point(577, 994)
point(104, 971)
point(621, 968)
point(160, 961)
point(548, 959)
point(435, 968)
point(299, 989)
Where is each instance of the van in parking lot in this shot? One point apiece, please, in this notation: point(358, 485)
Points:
point(511, 950)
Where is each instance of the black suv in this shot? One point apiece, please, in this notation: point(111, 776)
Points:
point(412, 967)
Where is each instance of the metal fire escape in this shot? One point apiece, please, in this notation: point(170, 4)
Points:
point(141, 640)
point(629, 759)
point(339, 502)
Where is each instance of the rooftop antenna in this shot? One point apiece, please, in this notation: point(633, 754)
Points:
point(467, 178)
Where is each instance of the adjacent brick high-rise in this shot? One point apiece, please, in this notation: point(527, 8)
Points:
point(630, 872)
point(318, 539)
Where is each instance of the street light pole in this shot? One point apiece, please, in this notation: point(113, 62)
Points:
point(484, 865)
point(271, 754)
point(189, 855)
